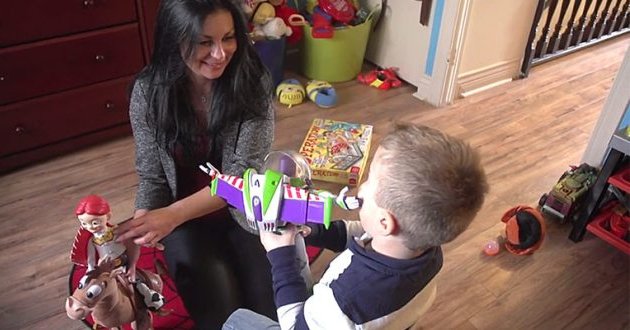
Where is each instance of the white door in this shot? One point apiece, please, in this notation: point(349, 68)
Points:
point(426, 56)
point(399, 40)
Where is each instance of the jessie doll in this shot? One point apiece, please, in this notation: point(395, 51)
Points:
point(95, 241)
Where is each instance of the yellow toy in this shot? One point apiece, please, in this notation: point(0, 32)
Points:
point(290, 92)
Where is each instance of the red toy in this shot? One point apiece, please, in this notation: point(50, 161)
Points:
point(322, 25)
point(382, 79)
point(329, 11)
point(340, 10)
point(289, 15)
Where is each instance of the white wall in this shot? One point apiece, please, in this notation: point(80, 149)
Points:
point(610, 116)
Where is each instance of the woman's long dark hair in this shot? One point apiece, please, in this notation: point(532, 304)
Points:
point(242, 92)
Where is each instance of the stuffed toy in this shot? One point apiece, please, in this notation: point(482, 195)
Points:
point(274, 28)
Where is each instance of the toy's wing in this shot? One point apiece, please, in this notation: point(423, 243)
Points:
point(78, 255)
point(300, 206)
point(230, 188)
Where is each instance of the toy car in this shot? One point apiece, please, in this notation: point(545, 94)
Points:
point(563, 200)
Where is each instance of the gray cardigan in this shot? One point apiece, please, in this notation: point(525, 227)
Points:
point(244, 147)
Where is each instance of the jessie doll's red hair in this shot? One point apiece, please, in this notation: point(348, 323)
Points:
point(93, 205)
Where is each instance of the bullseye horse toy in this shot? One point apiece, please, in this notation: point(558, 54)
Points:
point(107, 294)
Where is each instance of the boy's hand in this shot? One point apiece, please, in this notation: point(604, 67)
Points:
point(348, 203)
point(274, 240)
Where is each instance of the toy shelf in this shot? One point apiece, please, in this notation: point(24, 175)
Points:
point(621, 180)
point(612, 173)
point(598, 228)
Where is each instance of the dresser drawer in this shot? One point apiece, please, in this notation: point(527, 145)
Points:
point(25, 21)
point(49, 119)
point(64, 63)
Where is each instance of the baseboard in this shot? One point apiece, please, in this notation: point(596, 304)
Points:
point(488, 77)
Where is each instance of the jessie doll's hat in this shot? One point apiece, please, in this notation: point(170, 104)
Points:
point(524, 229)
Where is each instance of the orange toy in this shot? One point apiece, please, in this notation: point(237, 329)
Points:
point(524, 230)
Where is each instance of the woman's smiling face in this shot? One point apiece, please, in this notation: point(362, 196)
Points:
point(217, 43)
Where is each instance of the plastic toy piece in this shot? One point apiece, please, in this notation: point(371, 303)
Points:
point(322, 93)
point(269, 200)
point(567, 193)
point(322, 25)
point(524, 230)
point(95, 245)
point(340, 10)
point(290, 92)
point(492, 247)
point(106, 294)
point(382, 79)
point(265, 198)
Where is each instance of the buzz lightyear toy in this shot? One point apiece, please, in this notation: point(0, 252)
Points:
point(281, 195)
point(274, 198)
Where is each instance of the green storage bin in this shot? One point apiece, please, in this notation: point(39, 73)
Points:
point(339, 58)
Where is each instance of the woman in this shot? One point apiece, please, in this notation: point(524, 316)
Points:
point(205, 96)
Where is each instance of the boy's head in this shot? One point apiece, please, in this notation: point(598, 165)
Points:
point(430, 184)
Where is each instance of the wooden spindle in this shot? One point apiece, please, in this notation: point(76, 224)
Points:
point(555, 37)
point(577, 39)
point(572, 26)
point(612, 20)
point(623, 16)
point(529, 49)
point(543, 42)
point(590, 28)
point(601, 23)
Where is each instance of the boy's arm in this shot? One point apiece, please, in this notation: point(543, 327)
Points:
point(290, 292)
point(336, 237)
point(288, 285)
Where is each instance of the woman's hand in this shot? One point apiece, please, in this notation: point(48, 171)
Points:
point(273, 240)
point(148, 228)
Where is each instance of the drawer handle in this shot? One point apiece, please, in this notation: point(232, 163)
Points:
point(109, 105)
point(99, 58)
point(19, 130)
point(88, 3)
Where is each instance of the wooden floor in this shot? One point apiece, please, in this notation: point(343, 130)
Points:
point(529, 131)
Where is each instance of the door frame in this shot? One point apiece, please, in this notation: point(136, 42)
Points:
point(438, 83)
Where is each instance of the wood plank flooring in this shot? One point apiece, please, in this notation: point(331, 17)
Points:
point(528, 131)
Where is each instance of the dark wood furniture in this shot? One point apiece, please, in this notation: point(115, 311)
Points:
point(65, 71)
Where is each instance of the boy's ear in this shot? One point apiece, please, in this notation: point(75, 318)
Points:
point(388, 223)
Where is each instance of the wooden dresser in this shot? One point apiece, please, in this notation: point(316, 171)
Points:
point(65, 71)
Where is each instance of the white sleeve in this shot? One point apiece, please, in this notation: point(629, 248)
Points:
point(321, 311)
point(287, 315)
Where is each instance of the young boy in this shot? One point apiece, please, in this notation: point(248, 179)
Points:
point(423, 190)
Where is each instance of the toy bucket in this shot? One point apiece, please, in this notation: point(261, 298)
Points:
point(272, 55)
point(339, 58)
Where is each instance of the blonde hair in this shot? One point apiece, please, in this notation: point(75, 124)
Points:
point(431, 182)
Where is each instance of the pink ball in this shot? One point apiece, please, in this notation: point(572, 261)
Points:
point(491, 248)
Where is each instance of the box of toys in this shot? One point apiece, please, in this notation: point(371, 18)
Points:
point(337, 151)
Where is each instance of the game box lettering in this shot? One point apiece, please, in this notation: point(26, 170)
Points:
point(337, 151)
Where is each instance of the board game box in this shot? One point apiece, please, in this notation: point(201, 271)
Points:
point(337, 151)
